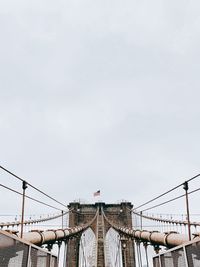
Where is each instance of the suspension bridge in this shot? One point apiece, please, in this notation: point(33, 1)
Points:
point(100, 234)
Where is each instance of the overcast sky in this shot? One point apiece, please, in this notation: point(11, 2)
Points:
point(99, 94)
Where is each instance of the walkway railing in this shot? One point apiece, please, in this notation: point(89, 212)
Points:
point(17, 253)
point(186, 255)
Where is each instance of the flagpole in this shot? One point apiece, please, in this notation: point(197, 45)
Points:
point(97, 195)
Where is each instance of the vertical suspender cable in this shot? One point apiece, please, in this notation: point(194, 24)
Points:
point(140, 253)
point(146, 253)
point(65, 254)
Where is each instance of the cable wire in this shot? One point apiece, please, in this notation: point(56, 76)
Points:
point(167, 192)
point(32, 221)
point(84, 257)
point(168, 201)
point(34, 199)
point(164, 220)
point(117, 253)
point(37, 189)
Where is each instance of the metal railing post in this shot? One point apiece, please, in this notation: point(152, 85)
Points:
point(62, 220)
point(24, 186)
point(185, 187)
point(141, 220)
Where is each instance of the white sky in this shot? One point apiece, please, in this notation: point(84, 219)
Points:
point(99, 95)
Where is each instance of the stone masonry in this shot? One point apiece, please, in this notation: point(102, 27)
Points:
point(118, 214)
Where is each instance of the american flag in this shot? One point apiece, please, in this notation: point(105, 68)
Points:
point(96, 194)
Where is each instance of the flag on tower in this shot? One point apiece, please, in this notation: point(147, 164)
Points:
point(96, 194)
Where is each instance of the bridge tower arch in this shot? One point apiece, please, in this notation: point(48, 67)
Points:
point(118, 214)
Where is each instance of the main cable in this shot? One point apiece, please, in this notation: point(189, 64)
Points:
point(37, 189)
point(167, 192)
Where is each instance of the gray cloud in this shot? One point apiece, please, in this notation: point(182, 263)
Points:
point(100, 95)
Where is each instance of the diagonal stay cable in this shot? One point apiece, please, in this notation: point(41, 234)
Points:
point(34, 199)
point(117, 253)
point(167, 192)
point(37, 189)
point(83, 250)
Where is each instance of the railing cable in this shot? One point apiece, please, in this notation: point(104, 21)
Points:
point(170, 200)
point(164, 220)
point(34, 199)
point(37, 189)
point(167, 192)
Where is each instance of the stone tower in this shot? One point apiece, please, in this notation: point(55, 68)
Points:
point(118, 214)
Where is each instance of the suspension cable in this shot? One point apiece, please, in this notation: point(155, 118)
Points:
point(34, 199)
point(37, 189)
point(45, 219)
point(181, 222)
point(84, 258)
point(138, 254)
point(146, 253)
point(168, 201)
point(167, 192)
point(117, 253)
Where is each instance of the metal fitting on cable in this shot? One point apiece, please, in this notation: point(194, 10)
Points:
point(24, 185)
point(185, 186)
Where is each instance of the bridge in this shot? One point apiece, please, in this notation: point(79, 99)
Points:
point(101, 234)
